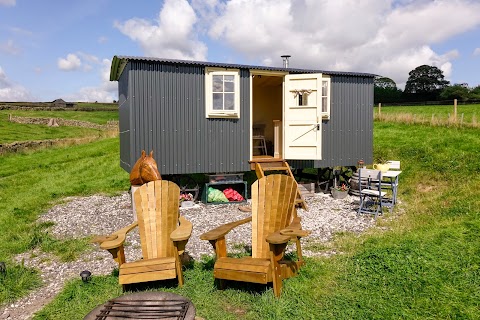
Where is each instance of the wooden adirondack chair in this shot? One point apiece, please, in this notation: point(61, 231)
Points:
point(163, 235)
point(274, 224)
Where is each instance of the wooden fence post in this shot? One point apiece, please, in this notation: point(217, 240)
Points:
point(379, 109)
point(455, 110)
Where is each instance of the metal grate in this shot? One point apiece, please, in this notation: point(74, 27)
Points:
point(143, 309)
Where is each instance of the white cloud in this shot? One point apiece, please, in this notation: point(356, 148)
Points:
point(10, 91)
point(476, 52)
point(105, 92)
point(172, 35)
point(389, 38)
point(8, 3)
point(102, 40)
point(70, 63)
point(10, 47)
point(20, 31)
point(77, 61)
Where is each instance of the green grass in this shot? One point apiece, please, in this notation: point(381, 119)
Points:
point(98, 106)
point(30, 183)
point(17, 282)
point(11, 132)
point(99, 117)
point(469, 111)
point(423, 264)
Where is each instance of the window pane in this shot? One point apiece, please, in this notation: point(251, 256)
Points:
point(229, 84)
point(229, 101)
point(324, 88)
point(304, 99)
point(324, 104)
point(217, 85)
point(217, 101)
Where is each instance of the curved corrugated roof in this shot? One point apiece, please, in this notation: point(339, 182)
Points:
point(119, 62)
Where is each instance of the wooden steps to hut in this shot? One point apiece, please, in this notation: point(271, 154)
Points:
point(270, 165)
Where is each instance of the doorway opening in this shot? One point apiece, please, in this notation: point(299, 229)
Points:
point(267, 106)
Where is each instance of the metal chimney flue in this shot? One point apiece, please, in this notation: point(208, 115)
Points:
point(285, 60)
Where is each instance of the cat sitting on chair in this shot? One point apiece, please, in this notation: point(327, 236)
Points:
point(144, 170)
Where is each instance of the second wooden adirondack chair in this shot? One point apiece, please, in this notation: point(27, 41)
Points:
point(274, 224)
point(163, 235)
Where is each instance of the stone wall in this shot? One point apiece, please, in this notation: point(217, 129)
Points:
point(64, 122)
point(109, 129)
point(39, 144)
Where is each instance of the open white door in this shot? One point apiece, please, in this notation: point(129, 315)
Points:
point(302, 117)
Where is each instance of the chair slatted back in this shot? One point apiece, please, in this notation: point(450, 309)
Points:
point(370, 175)
point(157, 204)
point(273, 208)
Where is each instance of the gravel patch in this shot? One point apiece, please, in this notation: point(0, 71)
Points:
point(101, 215)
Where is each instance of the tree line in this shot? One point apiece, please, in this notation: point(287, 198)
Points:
point(425, 83)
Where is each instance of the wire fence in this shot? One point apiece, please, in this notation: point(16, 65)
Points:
point(433, 116)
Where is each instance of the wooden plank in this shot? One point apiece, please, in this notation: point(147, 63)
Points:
point(259, 171)
point(150, 223)
point(275, 209)
point(268, 168)
point(144, 277)
point(148, 262)
point(146, 269)
point(224, 229)
point(245, 264)
point(283, 199)
point(140, 202)
point(164, 219)
point(262, 203)
point(255, 200)
point(242, 276)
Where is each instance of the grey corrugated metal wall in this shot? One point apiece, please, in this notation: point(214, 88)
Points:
point(124, 121)
point(167, 115)
point(348, 135)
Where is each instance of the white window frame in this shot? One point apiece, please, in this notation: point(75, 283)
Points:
point(210, 112)
point(326, 114)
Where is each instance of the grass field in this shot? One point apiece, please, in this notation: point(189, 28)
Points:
point(440, 113)
point(11, 132)
point(99, 117)
point(424, 263)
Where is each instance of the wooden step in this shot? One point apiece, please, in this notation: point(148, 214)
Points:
point(275, 168)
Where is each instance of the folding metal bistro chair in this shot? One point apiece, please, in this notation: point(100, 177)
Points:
point(371, 194)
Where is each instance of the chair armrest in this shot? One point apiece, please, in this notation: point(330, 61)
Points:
point(221, 231)
point(277, 238)
point(183, 231)
point(117, 238)
point(295, 229)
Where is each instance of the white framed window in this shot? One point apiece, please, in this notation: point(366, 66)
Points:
point(325, 96)
point(222, 93)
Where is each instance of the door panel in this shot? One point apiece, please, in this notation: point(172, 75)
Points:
point(302, 117)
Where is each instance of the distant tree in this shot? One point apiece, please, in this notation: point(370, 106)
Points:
point(384, 83)
point(457, 91)
point(385, 90)
point(425, 83)
point(475, 93)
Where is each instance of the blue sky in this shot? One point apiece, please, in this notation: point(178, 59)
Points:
point(63, 49)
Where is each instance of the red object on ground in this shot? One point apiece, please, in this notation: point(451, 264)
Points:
point(232, 195)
